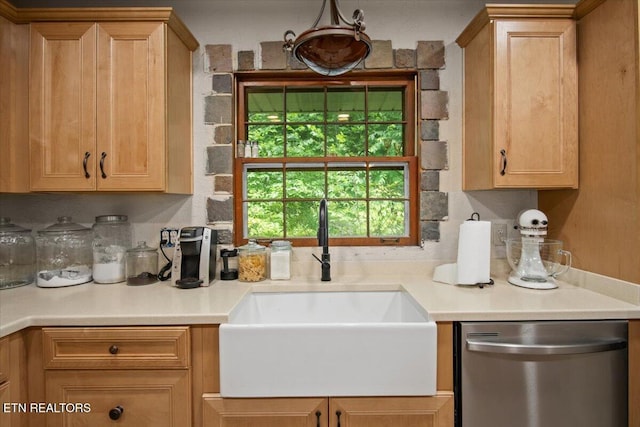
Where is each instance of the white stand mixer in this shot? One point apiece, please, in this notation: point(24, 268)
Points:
point(530, 270)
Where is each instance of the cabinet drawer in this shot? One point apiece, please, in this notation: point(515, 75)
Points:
point(158, 398)
point(116, 348)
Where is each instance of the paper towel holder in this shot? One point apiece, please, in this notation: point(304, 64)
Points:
point(482, 285)
point(474, 217)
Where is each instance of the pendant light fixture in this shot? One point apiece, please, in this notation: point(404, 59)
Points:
point(333, 49)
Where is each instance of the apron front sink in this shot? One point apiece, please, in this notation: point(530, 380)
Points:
point(346, 343)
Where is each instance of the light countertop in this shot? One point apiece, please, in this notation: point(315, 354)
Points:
point(581, 295)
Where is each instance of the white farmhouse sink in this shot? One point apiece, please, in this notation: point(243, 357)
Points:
point(355, 343)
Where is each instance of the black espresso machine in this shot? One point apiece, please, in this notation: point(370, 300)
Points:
point(194, 259)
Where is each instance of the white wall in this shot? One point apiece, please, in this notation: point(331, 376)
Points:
point(244, 24)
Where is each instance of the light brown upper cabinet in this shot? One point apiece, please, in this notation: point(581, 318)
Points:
point(14, 85)
point(520, 98)
point(110, 101)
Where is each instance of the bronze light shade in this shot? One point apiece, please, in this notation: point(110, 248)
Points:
point(333, 49)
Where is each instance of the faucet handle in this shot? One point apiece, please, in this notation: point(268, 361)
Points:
point(326, 266)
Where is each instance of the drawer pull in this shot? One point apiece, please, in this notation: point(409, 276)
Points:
point(113, 349)
point(116, 412)
point(338, 414)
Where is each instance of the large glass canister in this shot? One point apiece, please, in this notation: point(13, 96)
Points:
point(64, 252)
point(17, 255)
point(142, 265)
point(252, 262)
point(112, 239)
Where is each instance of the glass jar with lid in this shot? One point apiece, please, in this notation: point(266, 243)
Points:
point(112, 239)
point(64, 254)
point(142, 265)
point(252, 262)
point(280, 260)
point(17, 255)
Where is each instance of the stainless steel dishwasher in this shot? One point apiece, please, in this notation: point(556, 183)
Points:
point(541, 374)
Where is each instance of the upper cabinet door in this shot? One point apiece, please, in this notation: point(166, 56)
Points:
point(62, 99)
point(520, 98)
point(536, 104)
point(110, 103)
point(131, 106)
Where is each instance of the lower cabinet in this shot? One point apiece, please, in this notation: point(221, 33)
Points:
point(271, 412)
point(125, 376)
point(5, 384)
point(436, 411)
point(13, 373)
point(156, 398)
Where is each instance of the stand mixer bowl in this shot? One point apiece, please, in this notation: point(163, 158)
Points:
point(536, 261)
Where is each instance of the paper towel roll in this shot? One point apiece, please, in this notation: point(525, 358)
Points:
point(474, 252)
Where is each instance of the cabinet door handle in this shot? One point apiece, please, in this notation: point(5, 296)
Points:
point(318, 415)
point(84, 164)
point(338, 413)
point(113, 349)
point(116, 412)
point(503, 155)
point(102, 157)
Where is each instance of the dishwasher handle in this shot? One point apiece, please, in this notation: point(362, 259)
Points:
point(507, 347)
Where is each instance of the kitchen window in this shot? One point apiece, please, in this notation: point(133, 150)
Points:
point(349, 140)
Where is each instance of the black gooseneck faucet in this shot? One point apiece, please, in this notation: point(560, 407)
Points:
point(323, 240)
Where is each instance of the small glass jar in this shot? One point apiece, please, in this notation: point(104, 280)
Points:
point(17, 255)
point(112, 239)
point(280, 260)
point(252, 262)
point(240, 148)
point(142, 265)
point(64, 253)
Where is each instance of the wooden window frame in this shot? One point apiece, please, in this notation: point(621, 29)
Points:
point(406, 79)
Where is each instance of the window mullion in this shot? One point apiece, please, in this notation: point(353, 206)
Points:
point(366, 120)
point(285, 122)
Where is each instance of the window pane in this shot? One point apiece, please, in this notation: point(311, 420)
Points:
point(386, 140)
point(302, 219)
point(305, 140)
point(342, 140)
point(386, 183)
point(346, 184)
point(270, 138)
point(385, 105)
point(345, 140)
point(265, 106)
point(264, 184)
point(264, 219)
point(347, 218)
point(305, 105)
point(305, 185)
point(387, 218)
point(345, 105)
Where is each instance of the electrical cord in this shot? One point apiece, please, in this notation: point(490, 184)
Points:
point(165, 272)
